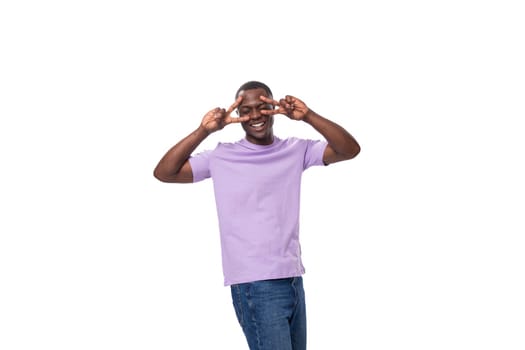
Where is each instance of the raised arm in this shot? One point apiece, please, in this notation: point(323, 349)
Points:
point(174, 165)
point(341, 145)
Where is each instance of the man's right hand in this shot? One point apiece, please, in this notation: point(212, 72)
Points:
point(218, 118)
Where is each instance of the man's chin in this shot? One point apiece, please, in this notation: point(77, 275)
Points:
point(261, 139)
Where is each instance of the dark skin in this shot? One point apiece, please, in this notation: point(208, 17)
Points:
point(253, 107)
point(256, 110)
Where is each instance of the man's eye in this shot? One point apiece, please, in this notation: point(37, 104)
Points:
point(244, 111)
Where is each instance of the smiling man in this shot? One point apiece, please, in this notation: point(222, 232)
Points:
point(259, 127)
point(257, 183)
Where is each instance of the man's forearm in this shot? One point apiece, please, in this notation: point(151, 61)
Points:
point(173, 160)
point(337, 137)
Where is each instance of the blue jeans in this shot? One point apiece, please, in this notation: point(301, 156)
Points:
point(272, 313)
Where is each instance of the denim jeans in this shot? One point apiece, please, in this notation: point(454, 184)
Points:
point(272, 313)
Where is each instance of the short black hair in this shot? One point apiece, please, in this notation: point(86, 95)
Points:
point(254, 85)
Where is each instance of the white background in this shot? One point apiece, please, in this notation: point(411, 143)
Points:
point(415, 244)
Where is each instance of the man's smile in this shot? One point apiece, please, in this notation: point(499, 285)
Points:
point(258, 124)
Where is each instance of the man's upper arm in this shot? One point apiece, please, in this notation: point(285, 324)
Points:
point(348, 150)
point(330, 156)
point(185, 175)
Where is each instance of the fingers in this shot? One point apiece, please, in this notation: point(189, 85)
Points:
point(286, 106)
point(212, 120)
point(272, 111)
point(212, 114)
point(217, 114)
point(288, 102)
point(234, 105)
point(214, 111)
point(269, 100)
point(223, 117)
point(229, 119)
point(274, 103)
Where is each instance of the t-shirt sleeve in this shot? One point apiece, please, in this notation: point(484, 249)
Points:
point(314, 153)
point(200, 165)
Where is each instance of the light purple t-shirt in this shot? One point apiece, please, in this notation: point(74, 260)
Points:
point(257, 193)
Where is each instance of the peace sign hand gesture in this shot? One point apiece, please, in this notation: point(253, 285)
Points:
point(218, 118)
point(290, 106)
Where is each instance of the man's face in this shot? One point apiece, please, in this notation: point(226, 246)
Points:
point(259, 129)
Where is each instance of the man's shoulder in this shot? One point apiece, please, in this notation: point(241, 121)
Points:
point(294, 141)
point(228, 145)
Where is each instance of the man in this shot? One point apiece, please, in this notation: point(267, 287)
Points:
point(257, 188)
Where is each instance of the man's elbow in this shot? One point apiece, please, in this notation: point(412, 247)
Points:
point(158, 175)
point(352, 151)
point(161, 175)
point(179, 177)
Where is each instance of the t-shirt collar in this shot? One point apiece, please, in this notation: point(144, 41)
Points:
point(244, 142)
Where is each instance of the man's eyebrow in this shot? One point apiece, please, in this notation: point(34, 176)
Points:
point(255, 105)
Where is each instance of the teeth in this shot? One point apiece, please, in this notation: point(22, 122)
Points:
point(258, 124)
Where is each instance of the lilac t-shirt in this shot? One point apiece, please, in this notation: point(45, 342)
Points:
point(257, 193)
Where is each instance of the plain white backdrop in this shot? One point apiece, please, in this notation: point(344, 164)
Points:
point(415, 244)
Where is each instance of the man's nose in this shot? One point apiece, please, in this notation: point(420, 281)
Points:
point(255, 113)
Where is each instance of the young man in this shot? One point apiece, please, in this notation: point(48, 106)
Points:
point(257, 186)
